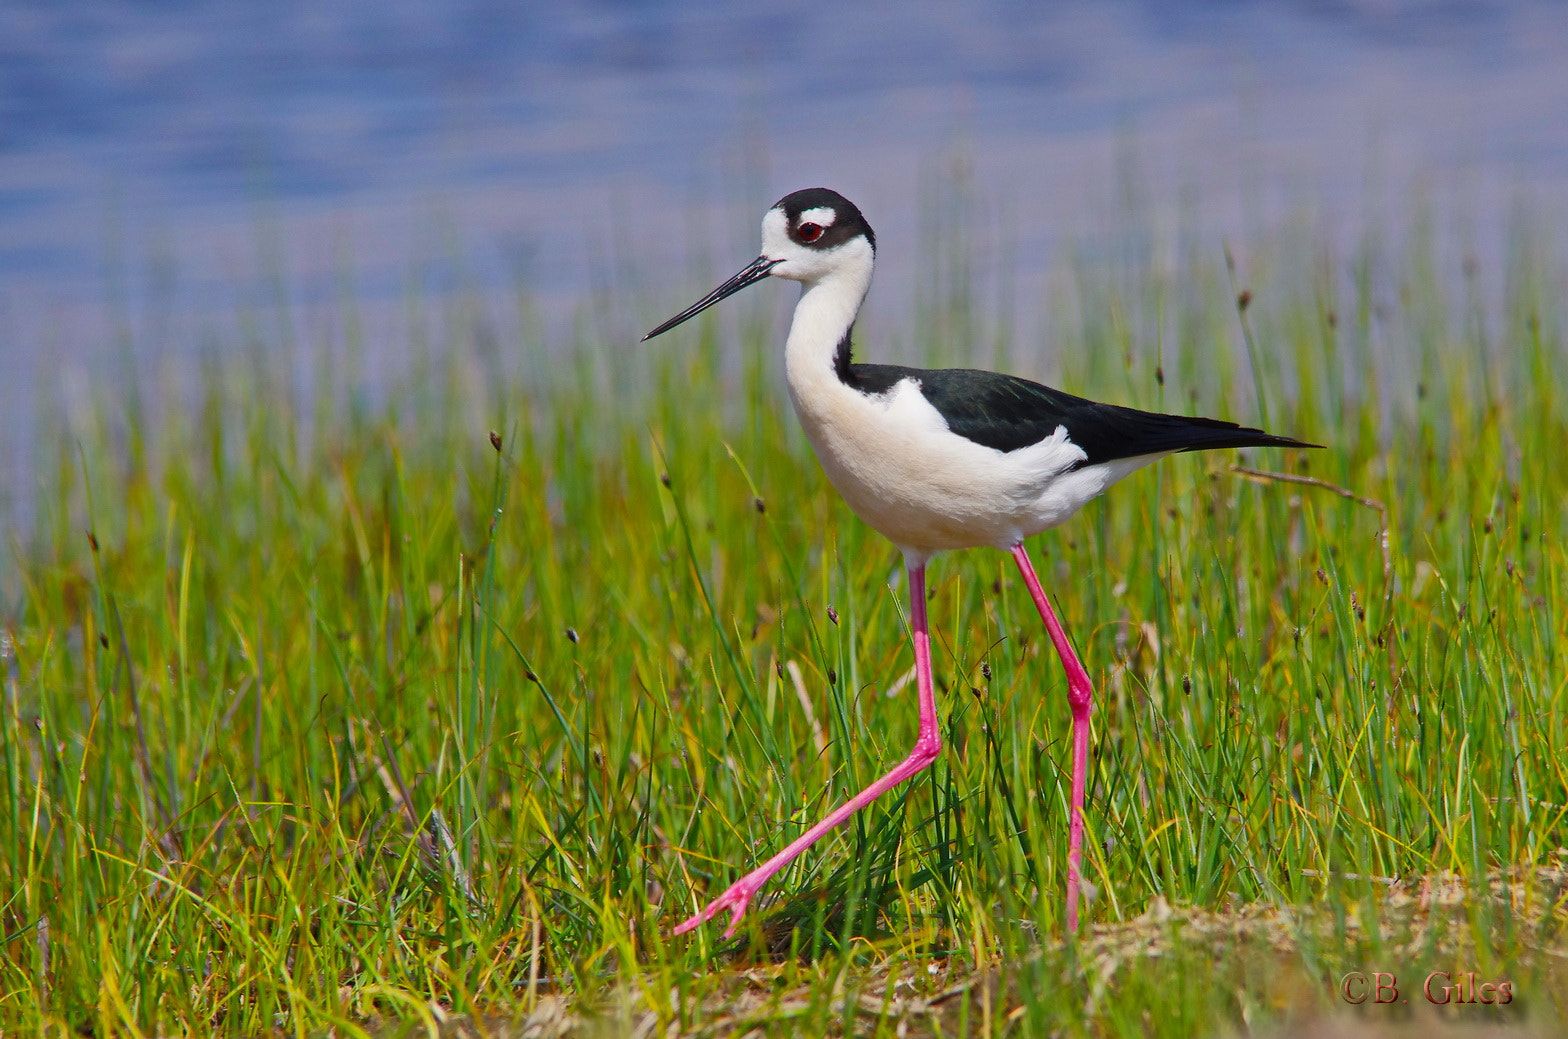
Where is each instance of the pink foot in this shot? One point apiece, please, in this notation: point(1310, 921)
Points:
point(736, 899)
point(927, 747)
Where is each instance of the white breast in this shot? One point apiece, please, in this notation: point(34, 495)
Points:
point(926, 488)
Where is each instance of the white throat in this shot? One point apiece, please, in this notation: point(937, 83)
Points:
point(824, 315)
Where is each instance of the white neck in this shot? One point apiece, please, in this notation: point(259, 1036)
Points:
point(824, 315)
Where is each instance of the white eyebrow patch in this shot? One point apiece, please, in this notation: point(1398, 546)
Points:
point(822, 216)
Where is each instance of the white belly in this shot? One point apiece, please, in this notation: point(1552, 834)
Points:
point(926, 488)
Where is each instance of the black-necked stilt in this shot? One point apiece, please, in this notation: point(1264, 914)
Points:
point(950, 458)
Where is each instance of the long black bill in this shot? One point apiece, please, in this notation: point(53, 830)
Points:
point(753, 273)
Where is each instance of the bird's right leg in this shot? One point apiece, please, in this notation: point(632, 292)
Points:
point(1080, 695)
point(927, 746)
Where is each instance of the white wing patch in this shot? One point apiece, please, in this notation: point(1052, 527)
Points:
point(1043, 460)
point(925, 486)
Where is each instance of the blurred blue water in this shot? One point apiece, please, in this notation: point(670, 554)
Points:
point(167, 157)
point(195, 106)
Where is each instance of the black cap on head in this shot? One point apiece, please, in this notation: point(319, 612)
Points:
point(847, 219)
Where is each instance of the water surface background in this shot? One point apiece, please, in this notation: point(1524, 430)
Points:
point(164, 166)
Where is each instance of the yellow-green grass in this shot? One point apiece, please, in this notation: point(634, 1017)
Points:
point(323, 710)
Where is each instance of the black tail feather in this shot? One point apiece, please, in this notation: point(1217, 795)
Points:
point(1127, 433)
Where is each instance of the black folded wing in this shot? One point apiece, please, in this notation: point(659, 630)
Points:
point(1007, 413)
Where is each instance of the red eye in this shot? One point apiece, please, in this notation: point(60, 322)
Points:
point(808, 232)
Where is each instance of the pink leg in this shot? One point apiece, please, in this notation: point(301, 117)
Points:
point(1079, 695)
point(927, 747)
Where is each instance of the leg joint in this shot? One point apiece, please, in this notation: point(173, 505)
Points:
point(927, 748)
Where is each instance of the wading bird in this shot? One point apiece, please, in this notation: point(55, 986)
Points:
point(939, 459)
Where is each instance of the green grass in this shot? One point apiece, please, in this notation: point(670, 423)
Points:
point(323, 713)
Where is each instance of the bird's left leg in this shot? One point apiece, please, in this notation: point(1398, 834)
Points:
point(927, 746)
point(1080, 695)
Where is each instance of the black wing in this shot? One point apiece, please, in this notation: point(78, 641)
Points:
point(1007, 413)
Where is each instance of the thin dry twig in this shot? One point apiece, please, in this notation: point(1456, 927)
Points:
point(1344, 492)
point(799, 682)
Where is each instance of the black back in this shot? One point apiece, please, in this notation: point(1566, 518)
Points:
point(1007, 413)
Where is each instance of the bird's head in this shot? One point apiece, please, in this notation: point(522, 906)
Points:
point(807, 236)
